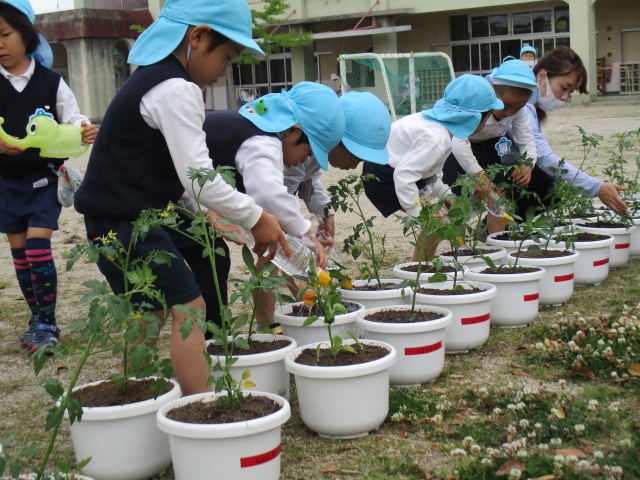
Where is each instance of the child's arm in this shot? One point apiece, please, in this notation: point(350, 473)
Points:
point(9, 149)
point(523, 137)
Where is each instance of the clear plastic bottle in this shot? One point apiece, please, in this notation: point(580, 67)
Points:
point(428, 194)
point(296, 264)
point(495, 207)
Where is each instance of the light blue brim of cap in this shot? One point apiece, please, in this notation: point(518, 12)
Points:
point(164, 35)
point(322, 157)
point(461, 123)
point(368, 154)
point(277, 118)
point(517, 81)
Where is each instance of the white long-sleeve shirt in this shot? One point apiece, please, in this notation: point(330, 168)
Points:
point(521, 134)
point(549, 162)
point(418, 149)
point(308, 171)
point(176, 108)
point(67, 108)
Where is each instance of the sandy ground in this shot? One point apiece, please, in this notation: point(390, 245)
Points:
point(16, 376)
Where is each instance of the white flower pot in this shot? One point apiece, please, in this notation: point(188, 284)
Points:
point(592, 266)
point(477, 260)
point(634, 248)
point(620, 249)
point(419, 345)
point(424, 277)
point(123, 441)
point(509, 245)
point(343, 401)
point(517, 299)
point(267, 368)
point(248, 450)
point(377, 298)
point(556, 286)
point(317, 331)
point(471, 314)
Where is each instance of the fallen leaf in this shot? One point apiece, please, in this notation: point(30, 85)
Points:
point(621, 380)
point(441, 390)
point(348, 447)
point(520, 373)
point(435, 448)
point(417, 469)
point(545, 477)
point(332, 467)
point(635, 369)
point(455, 375)
point(584, 372)
point(561, 411)
point(505, 468)
point(403, 434)
point(565, 452)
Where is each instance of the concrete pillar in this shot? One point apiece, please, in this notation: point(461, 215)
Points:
point(385, 42)
point(302, 64)
point(582, 23)
point(83, 3)
point(92, 74)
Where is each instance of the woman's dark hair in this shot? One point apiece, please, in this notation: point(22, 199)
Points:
point(558, 62)
point(21, 24)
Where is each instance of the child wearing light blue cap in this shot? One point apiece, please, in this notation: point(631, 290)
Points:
point(29, 206)
point(151, 136)
point(529, 55)
point(515, 85)
point(419, 145)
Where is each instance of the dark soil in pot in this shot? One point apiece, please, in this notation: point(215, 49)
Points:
point(111, 394)
point(544, 254)
point(450, 291)
point(305, 311)
point(364, 353)
point(428, 268)
point(255, 346)
point(403, 316)
point(207, 413)
point(603, 224)
point(374, 287)
point(584, 237)
point(510, 236)
point(469, 252)
point(508, 270)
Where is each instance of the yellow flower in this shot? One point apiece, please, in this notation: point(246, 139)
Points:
point(308, 298)
point(347, 284)
point(323, 277)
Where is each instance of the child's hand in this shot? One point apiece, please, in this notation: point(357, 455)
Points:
point(610, 196)
point(521, 174)
point(227, 228)
point(9, 149)
point(326, 231)
point(313, 244)
point(89, 133)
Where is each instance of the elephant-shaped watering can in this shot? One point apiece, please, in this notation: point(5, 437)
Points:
point(53, 140)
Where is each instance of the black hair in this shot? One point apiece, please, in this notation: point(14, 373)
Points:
point(215, 40)
point(20, 22)
point(519, 92)
point(303, 139)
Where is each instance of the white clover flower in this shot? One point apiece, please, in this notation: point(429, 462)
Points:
point(497, 411)
point(559, 459)
point(511, 407)
point(614, 406)
point(523, 423)
point(532, 434)
point(555, 412)
point(622, 340)
point(621, 330)
point(593, 404)
point(522, 453)
point(538, 426)
point(626, 442)
point(482, 392)
point(540, 346)
point(475, 449)
point(614, 374)
point(397, 417)
point(458, 452)
point(438, 418)
point(515, 474)
point(555, 442)
point(521, 406)
point(467, 441)
point(486, 462)
point(572, 459)
point(598, 454)
point(615, 325)
point(583, 466)
point(562, 381)
point(511, 429)
point(553, 427)
point(543, 447)
point(601, 343)
point(579, 428)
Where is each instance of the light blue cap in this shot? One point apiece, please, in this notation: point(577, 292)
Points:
point(528, 48)
point(43, 52)
point(368, 124)
point(516, 73)
point(231, 18)
point(313, 106)
point(465, 98)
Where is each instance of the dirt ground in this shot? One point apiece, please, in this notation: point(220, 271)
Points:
point(20, 392)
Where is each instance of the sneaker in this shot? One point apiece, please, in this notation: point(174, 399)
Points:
point(25, 338)
point(45, 335)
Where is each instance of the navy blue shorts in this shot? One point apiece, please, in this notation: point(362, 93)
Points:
point(29, 201)
point(176, 281)
point(382, 193)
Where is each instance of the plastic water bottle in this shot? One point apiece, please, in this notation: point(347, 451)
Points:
point(495, 208)
point(429, 195)
point(296, 264)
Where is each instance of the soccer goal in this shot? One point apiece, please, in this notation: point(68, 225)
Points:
point(405, 82)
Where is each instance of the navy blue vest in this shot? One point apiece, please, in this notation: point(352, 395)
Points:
point(226, 131)
point(130, 167)
point(16, 108)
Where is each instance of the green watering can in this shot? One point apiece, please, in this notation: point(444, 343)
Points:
point(53, 140)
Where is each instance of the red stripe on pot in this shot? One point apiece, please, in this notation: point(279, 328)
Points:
point(620, 246)
point(532, 297)
point(423, 350)
point(472, 320)
point(260, 459)
point(598, 263)
point(563, 278)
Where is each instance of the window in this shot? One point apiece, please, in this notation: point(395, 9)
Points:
point(269, 76)
point(459, 27)
point(461, 58)
point(499, 25)
point(541, 21)
point(562, 20)
point(479, 27)
point(522, 23)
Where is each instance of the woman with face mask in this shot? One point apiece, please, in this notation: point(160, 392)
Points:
point(559, 73)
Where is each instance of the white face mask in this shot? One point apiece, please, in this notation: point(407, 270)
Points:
point(550, 103)
point(530, 63)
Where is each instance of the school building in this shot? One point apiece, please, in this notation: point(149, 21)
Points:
point(91, 42)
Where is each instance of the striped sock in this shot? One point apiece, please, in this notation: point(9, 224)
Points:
point(23, 274)
point(44, 277)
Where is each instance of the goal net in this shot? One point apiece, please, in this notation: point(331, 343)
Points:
point(405, 82)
